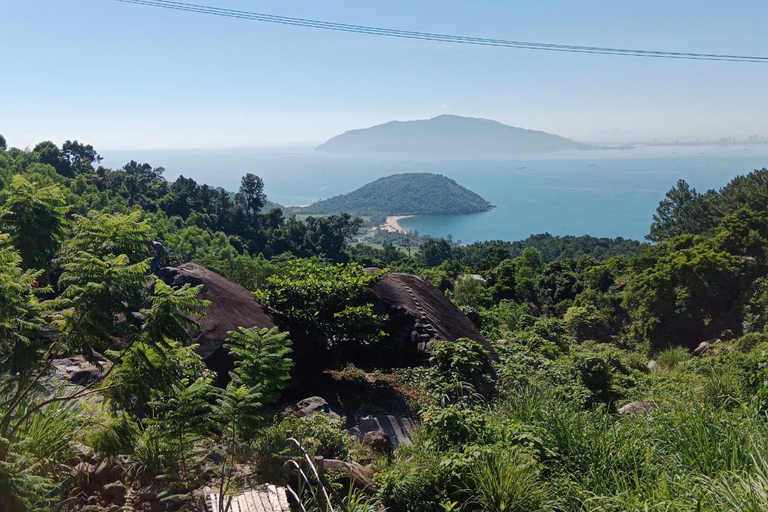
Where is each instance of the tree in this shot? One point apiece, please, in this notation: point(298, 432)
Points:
point(319, 236)
point(435, 251)
point(35, 219)
point(3, 143)
point(103, 234)
point(687, 295)
point(261, 359)
point(80, 157)
point(528, 267)
point(251, 195)
point(49, 153)
point(137, 180)
point(673, 214)
point(470, 292)
point(501, 280)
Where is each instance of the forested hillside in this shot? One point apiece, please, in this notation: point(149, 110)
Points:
point(405, 194)
point(598, 376)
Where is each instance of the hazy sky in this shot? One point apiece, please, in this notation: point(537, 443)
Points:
point(123, 76)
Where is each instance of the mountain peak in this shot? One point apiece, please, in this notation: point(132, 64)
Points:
point(449, 135)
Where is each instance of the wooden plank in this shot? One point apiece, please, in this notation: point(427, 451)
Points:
point(283, 499)
point(251, 502)
point(267, 498)
point(266, 506)
point(214, 502)
point(274, 503)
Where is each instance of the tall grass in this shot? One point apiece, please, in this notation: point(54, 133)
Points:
point(505, 481)
point(741, 490)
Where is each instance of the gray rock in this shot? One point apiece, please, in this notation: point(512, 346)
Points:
point(79, 371)
point(311, 406)
point(378, 442)
point(652, 365)
point(638, 408)
point(398, 429)
point(704, 346)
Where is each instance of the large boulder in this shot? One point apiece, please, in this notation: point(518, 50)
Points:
point(231, 306)
point(419, 313)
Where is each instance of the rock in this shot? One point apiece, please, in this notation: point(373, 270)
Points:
point(358, 475)
point(378, 442)
point(113, 508)
point(638, 408)
point(107, 472)
point(652, 366)
point(114, 492)
point(704, 346)
point(409, 302)
point(232, 306)
point(92, 508)
point(78, 370)
point(311, 406)
point(398, 429)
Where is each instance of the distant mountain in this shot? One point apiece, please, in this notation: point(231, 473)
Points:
point(448, 135)
point(405, 194)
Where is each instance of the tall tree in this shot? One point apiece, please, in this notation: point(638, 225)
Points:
point(251, 195)
point(49, 153)
point(80, 157)
point(35, 219)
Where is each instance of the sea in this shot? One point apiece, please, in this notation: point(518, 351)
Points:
point(603, 193)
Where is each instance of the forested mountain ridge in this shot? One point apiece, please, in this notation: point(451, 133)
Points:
point(449, 135)
point(405, 194)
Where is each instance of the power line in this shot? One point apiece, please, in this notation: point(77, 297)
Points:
point(445, 38)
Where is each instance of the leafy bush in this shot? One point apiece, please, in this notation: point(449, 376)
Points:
point(324, 301)
point(461, 368)
point(453, 426)
point(586, 322)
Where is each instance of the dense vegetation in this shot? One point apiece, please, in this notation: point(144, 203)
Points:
point(574, 323)
point(405, 194)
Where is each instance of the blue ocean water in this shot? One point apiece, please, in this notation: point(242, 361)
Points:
point(600, 193)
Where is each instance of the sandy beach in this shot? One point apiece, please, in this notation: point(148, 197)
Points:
point(392, 225)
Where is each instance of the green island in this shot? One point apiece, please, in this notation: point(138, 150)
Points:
point(572, 374)
point(404, 194)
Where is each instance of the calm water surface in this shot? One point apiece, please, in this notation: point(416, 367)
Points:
point(601, 193)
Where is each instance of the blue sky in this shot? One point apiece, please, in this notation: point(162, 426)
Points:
point(123, 76)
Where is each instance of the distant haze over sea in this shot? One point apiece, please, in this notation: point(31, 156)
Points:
point(600, 193)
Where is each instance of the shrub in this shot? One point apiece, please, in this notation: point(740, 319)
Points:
point(586, 322)
point(461, 368)
point(453, 426)
point(318, 434)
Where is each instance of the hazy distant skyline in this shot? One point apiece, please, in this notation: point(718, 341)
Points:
point(130, 77)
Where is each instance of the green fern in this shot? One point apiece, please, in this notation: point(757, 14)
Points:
point(261, 360)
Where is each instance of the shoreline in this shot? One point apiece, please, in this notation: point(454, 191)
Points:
point(392, 224)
